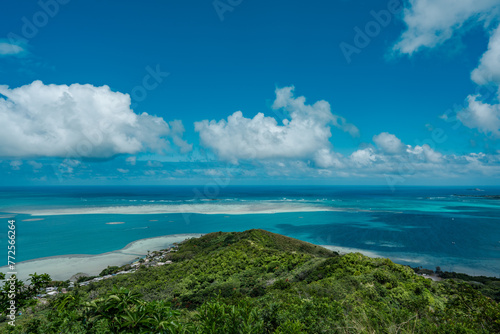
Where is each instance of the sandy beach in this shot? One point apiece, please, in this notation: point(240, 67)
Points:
point(63, 267)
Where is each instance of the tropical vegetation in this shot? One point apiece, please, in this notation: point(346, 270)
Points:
point(260, 282)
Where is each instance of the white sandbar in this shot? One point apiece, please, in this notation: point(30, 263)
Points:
point(205, 208)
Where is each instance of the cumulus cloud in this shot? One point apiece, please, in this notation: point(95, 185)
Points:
point(426, 153)
point(432, 22)
point(388, 143)
point(481, 116)
point(305, 136)
point(78, 121)
point(392, 150)
point(488, 70)
point(320, 110)
point(363, 157)
point(325, 158)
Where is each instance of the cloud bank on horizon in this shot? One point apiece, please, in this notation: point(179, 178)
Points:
point(83, 121)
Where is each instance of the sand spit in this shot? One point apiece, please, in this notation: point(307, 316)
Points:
point(63, 267)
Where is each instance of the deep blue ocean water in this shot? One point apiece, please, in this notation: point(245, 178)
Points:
point(456, 228)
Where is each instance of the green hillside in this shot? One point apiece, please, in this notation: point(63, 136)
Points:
point(260, 282)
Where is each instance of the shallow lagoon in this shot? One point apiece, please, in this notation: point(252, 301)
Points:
point(457, 229)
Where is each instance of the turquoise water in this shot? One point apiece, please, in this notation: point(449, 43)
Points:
point(455, 228)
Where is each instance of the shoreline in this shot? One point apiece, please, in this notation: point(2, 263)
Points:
point(457, 265)
point(62, 267)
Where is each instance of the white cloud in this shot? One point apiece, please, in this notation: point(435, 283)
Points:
point(8, 49)
point(363, 157)
point(67, 166)
point(411, 166)
point(388, 143)
point(305, 136)
point(178, 129)
point(488, 70)
point(320, 110)
point(431, 155)
point(123, 171)
point(482, 116)
point(426, 153)
point(474, 157)
point(432, 22)
point(325, 158)
point(393, 151)
point(78, 121)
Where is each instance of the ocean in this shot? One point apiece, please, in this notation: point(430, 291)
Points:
point(456, 228)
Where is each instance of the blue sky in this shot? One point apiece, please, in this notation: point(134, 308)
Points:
point(394, 93)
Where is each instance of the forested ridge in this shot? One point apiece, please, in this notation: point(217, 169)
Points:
point(260, 282)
